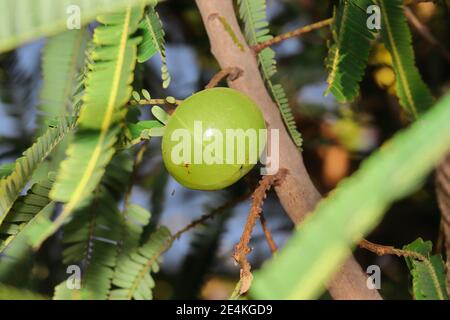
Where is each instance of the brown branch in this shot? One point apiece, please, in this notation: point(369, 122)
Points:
point(295, 33)
point(425, 32)
point(443, 197)
point(297, 193)
point(242, 249)
point(382, 250)
point(232, 73)
point(267, 233)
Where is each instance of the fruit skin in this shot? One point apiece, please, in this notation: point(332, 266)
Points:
point(217, 108)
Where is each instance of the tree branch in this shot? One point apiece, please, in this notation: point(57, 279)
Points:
point(297, 193)
point(291, 34)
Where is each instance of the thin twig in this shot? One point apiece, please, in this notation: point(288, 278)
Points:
point(232, 73)
point(383, 250)
point(425, 32)
point(235, 295)
point(267, 234)
point(211, 214)
point(242, 249)
point(137, 162)
point(295, 33)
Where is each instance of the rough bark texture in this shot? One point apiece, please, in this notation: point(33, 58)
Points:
point(443, 196)
point(297, 193)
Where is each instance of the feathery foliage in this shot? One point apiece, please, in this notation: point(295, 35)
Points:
point(349, 52)
point(132, 278)
point(92, 235)
point(354, 208)
point(256, 30)
point(108, 88)
point(62, 59)
point(15, 253)
point(153, 41)
point(12, 185)
point(413, 93)
point(39, 18)
point(23, 210)
point(428, 272)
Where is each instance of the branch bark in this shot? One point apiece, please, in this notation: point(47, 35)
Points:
point(443, 196)
point(297, 193)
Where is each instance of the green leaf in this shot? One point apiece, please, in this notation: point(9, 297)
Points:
point(108, 89)
point(160, 114)
point(316, 250)
point(15, 253)
point(91, 240)
point(92, 236)
point(153, 42)
point(349, 52)
point(12, 293)
point(135, 218)
point(253, 13)
point(6, 169)
point(413, 93)
point(428, 272)
point(133, 279)
point(39, 18)
point(62, 59)
point(13, 184)
point(141, 129)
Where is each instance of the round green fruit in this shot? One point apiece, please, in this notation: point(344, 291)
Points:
point(213, 139)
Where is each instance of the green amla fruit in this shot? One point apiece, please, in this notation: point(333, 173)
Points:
point(199, 149)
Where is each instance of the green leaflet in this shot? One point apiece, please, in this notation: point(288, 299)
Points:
point(12, 185)
point(428, 273)
point(133, 279)
point(39, 18)
point(23, 210)
point(15, 253)
point(413, 93)
point(311, 256)
point(253, 13)
point(62, 59)
point(135, 218)
point(108, 88)
point(279, 95)
point(349, 52)
point(91, 237)
point(6, 170)
point(153, 41)
point(108, 82)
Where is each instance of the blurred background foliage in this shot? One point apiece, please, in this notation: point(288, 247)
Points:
point(336, 139)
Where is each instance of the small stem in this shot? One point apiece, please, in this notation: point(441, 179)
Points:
point(383, 250)
point(154, 102)
point(236, 294)
point(137, 162)
point(231, 72)
point(295, 33)
point(268, 234)
point(211, 214)
point(242, 249)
